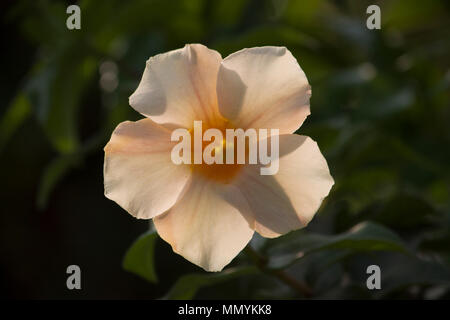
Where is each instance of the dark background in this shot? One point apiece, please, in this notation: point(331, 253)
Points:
point(380, 114)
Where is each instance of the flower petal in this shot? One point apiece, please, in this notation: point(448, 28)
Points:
point(289, 199)
point(179, 87)
point(138, 172)
point(205, 226)
point(263, 87)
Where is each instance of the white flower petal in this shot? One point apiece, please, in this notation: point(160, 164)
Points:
point(263, 88)
point(205, 226)
point(289, 199)
point(138, 172)
point(179, 87)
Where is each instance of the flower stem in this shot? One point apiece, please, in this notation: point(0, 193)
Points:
point(261, 262)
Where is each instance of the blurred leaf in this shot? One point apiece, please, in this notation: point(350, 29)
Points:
point(399, 100)
point(438, 238)
point(187, 286)
point(363, 187)
point(228, 13)
point(15, 115)
point(409, 14)
point(53, 174)
point(322, 270)
point(60, 166)
point(366, 236)
point(56, 90)
point(350, 32)
point(404, 271)
point(304, 12)
point(401, 211)
point(417, 210)
point(64, 69)
point(139, 258)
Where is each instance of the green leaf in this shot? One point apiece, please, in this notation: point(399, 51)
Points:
point(187, 286)
point(418, 13)
point(406, 271)
point(139, 258)
point(366, 236)
point(17, 113)
point(56, 88)
point(52, 175)
point(400, 272)
point(59, 167)
point(420, 212)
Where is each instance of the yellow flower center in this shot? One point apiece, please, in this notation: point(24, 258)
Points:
point(221, 172)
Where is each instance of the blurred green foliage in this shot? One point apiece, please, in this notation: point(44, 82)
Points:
point(140, 258)
point(380, 114)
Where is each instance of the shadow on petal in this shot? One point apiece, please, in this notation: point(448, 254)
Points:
point(230, 93)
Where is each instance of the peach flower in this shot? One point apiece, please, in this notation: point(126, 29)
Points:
point(208, 213)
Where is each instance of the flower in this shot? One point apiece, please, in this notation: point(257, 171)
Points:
point(208, 213)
